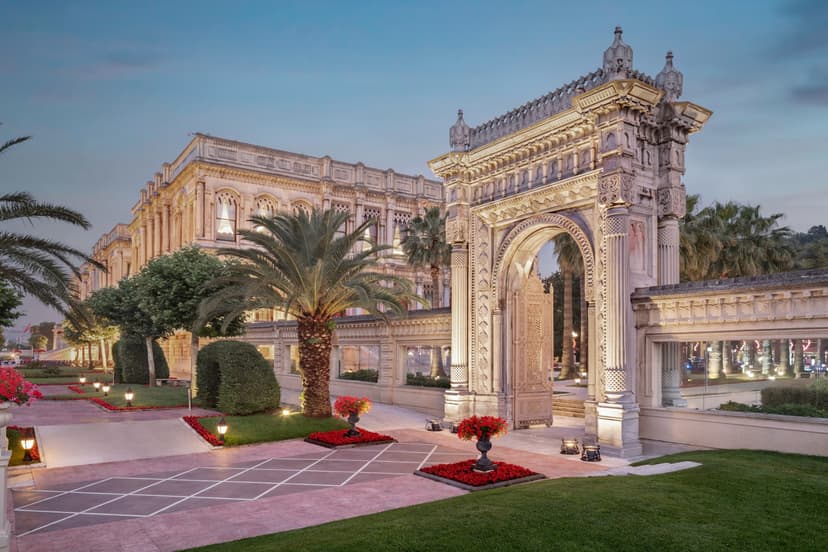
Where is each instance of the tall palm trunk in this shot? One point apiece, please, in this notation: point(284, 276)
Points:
point(315, 364)
point(150, 362)
point(435, 287)
point(568, 368)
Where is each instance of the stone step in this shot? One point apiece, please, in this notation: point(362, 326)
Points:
point(568, 407)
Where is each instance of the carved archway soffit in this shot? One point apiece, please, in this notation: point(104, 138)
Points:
point(520, 232)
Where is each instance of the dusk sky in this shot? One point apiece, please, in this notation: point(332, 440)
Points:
point(110, 90)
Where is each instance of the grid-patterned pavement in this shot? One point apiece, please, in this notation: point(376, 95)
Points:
point(118, 498)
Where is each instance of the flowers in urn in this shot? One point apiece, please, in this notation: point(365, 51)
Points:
point(351, 408)
point(482, 428)
point(15, 389)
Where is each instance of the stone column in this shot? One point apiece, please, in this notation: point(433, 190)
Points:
point(618, 416)
point(727, 358)
point(156, 233)
point(497, 351)
point(166, 243)
point(457, 405)
point(591, 404)
point(798, 358)
point(199, 210)
point(767, 358)
point(714, 358)
point(668, 273)
point(784, 358)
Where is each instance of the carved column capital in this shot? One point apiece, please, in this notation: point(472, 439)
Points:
point(672, 202)
point(616, 188)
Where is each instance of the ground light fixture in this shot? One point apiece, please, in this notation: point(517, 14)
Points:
point(82, 380)
point(97, 385)
point(221, 427)
point(105, 388)
point(286, 412)
point(569, 446)
point(129, 395)
point(577, 381)
point(27, 442)
point(591, 453)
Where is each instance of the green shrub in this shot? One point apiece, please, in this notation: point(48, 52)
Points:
point(785, 409)
point(130, 356)
point(234, 377)
point(361, 375)
point(814, 394)
point(427, 381)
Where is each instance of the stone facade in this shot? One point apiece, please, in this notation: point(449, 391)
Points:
point(601, 159)
point(209, 192)
point(114, 251)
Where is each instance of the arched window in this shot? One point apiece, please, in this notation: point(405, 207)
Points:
point(225, 217)
point(345, 227)
point(373, 230)
point(265, 208)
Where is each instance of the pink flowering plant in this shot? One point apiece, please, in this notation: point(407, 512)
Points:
point(15, 389)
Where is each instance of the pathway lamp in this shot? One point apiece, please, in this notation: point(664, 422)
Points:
point(221, 427)
point(591, 453)
point(27, 442)
point(569, 446)
point(105, 388)
point(286, 412)
point(82, 380)
point(129, 395)
point(97, 385)
point(577, 381)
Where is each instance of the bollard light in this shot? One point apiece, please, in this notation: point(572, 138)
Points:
point(569, 446)
point(577, 381)
point(221, 427)
point(97, 385)
point(27, 442)
point(105, 388)
point(129, 395)
point(82, 380)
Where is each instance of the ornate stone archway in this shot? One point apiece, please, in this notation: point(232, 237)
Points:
point(601, 159)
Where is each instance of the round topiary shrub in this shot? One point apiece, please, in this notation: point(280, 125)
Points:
point(130, 356)
point(234, 377)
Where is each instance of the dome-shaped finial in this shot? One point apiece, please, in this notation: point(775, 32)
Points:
point(460, 134)
point(618, 58)
point(670, 79)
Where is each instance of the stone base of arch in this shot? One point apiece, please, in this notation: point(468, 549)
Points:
point(618, 429)
point(458, 405)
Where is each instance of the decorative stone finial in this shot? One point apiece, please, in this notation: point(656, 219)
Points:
point(670, 80)
point(618, 58)
point(460, 134)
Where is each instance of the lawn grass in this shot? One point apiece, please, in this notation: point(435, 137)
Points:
point(738, 500)
point(260, 428)
point(143, 395)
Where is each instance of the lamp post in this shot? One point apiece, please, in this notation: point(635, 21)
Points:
point(105, 388)
point(129, 395)
point(27, 441)
point(82, 380)
point(706, 365)
point(97, 385)
point(221, 427)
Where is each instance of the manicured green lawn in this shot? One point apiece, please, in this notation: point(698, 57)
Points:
point(143, 395)
point(259, 428)
point(738, 500)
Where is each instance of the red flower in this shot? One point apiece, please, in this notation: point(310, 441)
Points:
point(337, 437)
point(477, 426)
point(463, 473)
point(345, 406)
point(14, 387)
point(193, 422)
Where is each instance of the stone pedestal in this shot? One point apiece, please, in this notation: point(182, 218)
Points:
point(591, 418)
point(714, 360)
point(458, 405)
point(618, 429)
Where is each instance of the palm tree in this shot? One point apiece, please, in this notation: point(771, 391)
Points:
point(40, 267)
point(424, 242)
point(571, 265)
point(302, 265)
point(699, 241)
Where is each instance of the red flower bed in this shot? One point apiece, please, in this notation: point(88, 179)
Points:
point(462, 473)
point(193, 422)
point(337, 438)
point(34, 452)
point(76, 389)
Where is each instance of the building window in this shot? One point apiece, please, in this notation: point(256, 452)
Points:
point(293, 358)
point(357, 362)
point(264, 209)
point(428, 366)
point(374, 230)
point(225, 218)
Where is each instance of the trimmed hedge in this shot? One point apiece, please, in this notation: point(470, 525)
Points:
point(130, 356)
point(361, 375)
point(814, 394)
point(234, 377)
point(427, 381)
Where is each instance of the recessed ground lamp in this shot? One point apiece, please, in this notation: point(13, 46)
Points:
point(569, 446)
point(286, 412)
point(433, 425)
point(129, 395)
point(577, 381)
point(591, 453)
point(105, 388)
point(27, 442)
point(97, 385)
point(82, 380)
point(221, 427)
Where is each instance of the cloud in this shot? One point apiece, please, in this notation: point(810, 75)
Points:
point(806, 34)
point(813, 92)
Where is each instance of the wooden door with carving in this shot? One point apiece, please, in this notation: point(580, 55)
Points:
point(532, 342)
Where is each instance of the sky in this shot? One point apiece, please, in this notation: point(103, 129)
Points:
point(110, 90)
